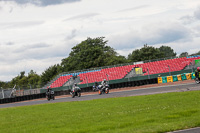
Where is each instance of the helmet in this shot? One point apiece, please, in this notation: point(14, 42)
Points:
point(198, 69)
point(104, 80)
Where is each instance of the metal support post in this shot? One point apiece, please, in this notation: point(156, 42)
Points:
point(148, 73)
point(87, 81)
point(169, 71)
point(3, 94)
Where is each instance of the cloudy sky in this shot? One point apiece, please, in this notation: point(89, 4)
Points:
point(35, 34)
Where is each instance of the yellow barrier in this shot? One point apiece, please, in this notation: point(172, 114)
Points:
point(188, 76)
point(169, 79)
point(179, 77)
point(159, 80)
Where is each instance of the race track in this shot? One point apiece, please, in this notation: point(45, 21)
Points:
point(123, 92)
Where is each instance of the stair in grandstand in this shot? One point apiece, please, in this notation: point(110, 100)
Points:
point(50, 82)
point(134, 73)
point(72, 81)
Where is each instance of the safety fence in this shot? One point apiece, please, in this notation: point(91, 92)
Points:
point(10, 93)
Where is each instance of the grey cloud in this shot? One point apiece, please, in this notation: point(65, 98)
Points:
point(197, 13)
point(171, 34)
point(188, 19)
point(72, 35)
point(21, 24)
point(42, 2)
point(39, 45)
point(9, 43)
point(31, 47)
point(11, 10)
point(134, 8)
point(82, 16)
point(151, 35)
point(41, 51)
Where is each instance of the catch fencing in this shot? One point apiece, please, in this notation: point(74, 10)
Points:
point(10, 93)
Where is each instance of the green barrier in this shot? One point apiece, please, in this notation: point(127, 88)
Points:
point(164, 79)
point(183, 77)
point(175, 78)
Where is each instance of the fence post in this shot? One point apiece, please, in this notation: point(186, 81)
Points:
point(87, 81)
point(3, 94)
point(128, 76)
point(169, 71)
point(107, 77)
point(148, 73)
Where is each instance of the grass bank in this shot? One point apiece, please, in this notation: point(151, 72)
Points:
point(139, 114)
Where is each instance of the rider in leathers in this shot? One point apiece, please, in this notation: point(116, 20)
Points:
point(103, 83)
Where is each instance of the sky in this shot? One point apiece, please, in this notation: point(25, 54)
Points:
point(36, 34)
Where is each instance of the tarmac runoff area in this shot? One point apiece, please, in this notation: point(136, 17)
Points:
point(180, 86)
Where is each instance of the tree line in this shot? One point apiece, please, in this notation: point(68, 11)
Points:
point(90, 53)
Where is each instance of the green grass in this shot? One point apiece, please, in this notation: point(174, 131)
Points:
point(139, 114)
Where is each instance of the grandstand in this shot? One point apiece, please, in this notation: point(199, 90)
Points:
point(120, 72)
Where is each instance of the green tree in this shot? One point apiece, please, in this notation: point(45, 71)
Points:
point(183, 54)
point(91, 53)
point(167, 51)
point(145, 53)
point(33, 79)
point(50, 73)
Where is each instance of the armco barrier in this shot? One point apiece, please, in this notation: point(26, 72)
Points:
point(164, 79)
point(175, 78)
point(183, 76)
point(169, 79)
point(159, 80)
point(188, 76)
point(179, 77)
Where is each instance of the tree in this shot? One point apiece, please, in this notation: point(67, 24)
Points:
point(50, 73)
point(183, 54)
point(33, 79)
point(91, 53)
point(145, 53)
point(167, 51)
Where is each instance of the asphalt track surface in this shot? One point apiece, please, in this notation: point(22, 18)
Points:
point(125, 92)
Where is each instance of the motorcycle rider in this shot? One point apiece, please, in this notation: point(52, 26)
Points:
point(197, 73)
point(103, 83)
point(75, 87)
point(49, 92)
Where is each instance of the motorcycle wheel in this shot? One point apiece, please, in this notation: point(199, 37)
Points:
point(73, 95)
point(100, 92)
point(48, 99)
point(79, 94)
point(107, 91)
point(197, 81)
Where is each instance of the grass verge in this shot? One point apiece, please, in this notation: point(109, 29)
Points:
point(140, 114)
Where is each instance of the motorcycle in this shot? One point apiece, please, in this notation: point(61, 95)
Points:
point(76, 91)
point(96, 88)
point(50, 95)
point(104, 89)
